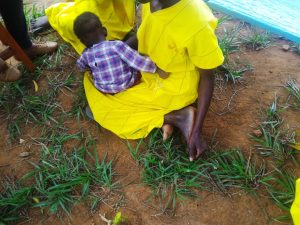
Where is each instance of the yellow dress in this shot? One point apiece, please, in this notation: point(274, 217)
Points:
point(295, 209)
point(178, 39)
point(116, 15)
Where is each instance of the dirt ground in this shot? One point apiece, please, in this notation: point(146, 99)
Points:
point(234, 114)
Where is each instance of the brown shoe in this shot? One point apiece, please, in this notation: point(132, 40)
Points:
point(11, 74)
point(38, 49)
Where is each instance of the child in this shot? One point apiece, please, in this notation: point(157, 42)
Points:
point(114, 65)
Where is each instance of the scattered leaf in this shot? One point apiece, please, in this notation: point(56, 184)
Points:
point(36, 87)
point(24, 154)
point(118, 219)
point(36, 200)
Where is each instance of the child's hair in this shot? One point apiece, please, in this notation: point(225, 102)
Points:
point(82, 24)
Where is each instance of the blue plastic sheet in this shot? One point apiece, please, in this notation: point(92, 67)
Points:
point(281, 17)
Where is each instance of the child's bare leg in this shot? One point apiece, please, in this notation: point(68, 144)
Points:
point(183, 119)
point(167, 131)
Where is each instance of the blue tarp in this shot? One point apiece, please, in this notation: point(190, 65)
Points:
point(281, 17)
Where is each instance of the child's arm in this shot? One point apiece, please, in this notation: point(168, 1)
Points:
point(137, 61)
point(82, 63)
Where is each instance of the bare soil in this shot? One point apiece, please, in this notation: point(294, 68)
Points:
point(234, 114)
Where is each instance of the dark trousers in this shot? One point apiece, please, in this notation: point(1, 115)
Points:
point(13, 15)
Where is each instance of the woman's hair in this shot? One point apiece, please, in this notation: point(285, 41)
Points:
point(85, 23)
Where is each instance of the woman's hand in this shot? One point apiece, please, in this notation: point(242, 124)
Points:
point(196, 142)
point(196, 145)
point(132, 42)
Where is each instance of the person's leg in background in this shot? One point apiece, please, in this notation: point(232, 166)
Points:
point(16, 26)
point(13, 15)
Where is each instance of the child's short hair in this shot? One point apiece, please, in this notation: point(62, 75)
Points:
point(82, 21)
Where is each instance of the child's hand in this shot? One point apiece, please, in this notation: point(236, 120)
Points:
point(163, 74)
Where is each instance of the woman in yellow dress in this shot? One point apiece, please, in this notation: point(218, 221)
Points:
point(178, 35)
point(116, 15)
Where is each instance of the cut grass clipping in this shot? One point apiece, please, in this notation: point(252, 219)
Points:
point(294, 90)
point(79, 104)
point(232, 74)
point(230, 169)
point(167, 170)
point(282, 192)
point(257, 41)
point(64, 179)
point(32, 12)
point(20, 104)
point(61, 178)
point(230, 43)
point(274, 142)
point(170, 174)
point(14, 200)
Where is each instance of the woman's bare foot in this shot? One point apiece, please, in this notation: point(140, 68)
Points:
point(39, 24)
point(183, 119)
point(186, 125)
point(167, 131)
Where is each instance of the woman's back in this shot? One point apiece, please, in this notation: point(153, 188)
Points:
point(171, 36)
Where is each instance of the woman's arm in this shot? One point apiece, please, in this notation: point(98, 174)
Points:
point(132, 42)
point(205, 91)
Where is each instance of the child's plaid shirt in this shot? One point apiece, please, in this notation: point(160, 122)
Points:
point(114, 65)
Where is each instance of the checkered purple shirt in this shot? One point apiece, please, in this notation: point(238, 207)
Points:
point(114, 65)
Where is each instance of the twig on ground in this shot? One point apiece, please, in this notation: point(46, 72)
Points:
point(226, 109)
point(109, 222)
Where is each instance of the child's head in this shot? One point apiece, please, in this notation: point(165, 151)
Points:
point(89, 30)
